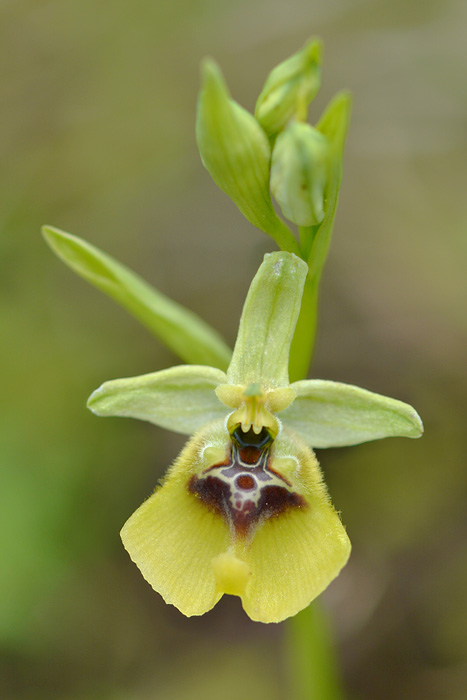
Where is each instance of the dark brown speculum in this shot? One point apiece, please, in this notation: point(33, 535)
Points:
point(245, 489)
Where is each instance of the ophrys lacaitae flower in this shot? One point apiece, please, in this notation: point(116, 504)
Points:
point(244, 510)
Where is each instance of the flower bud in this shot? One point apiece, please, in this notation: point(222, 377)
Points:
point(290, 88)
point(235, 151)
point(299, 173)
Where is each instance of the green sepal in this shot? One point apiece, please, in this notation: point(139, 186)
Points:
point(299, 171)
point(180, 398)
point(315, 240)
point(236, 152)
point(331, 414)
point(181, 330)
point(268, 321)
point(333, 125)
point(289, 88)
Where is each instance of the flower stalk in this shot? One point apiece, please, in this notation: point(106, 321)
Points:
point(313, 669)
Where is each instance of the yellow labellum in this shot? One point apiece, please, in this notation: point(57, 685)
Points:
point(193, 541)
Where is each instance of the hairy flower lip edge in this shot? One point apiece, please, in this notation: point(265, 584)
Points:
point(312, 543)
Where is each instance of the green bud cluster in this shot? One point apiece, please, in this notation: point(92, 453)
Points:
point(276, 151)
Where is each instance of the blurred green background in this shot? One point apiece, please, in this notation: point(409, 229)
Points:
point(97, 112)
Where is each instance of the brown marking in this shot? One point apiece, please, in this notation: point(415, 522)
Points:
point(216, 495)
point(214, 492)
point(245, 482)
point(274, 500)
point(249, 454)
point(281, 476)
point(222, 486)
point(227, 462)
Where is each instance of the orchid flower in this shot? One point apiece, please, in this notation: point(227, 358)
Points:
point(244, 509)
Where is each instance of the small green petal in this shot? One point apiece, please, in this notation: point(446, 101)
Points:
point(178, 328)
point(180, 398)
point(236, 152)
point(173, 539)
point(268, 321)
point(331, 414)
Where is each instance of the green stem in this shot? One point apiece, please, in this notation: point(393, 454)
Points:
point(313, 666)
point(305, 331)
point(283, 236)
point(307, 236)
point(312, 662)
point(312, 659)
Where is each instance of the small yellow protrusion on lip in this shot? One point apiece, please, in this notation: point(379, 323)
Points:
point(279, 399)
point(231, 573)
point(231, 395)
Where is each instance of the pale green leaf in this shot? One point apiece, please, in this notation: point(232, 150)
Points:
point(180, 398)
point(181, 330)
point(331, 414)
